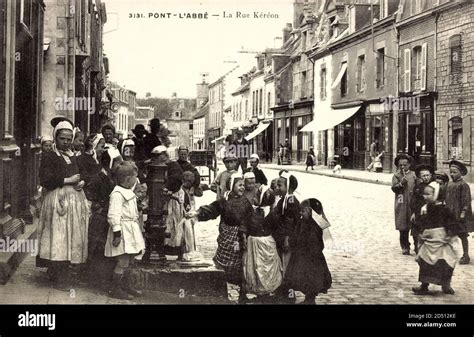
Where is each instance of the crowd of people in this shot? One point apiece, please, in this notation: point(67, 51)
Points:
point(94, 202)
point(438, 212)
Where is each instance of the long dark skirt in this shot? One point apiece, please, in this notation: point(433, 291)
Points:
point(229, 253)
point(440, 273)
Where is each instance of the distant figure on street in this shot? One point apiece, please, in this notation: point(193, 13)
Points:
point(310, 159)
point(152, 139)
point(219, 185)
point(403, 184)
point(242, 149)
point(108, 131)
point(373, 153)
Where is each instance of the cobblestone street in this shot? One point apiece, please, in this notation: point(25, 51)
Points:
point(366, 262)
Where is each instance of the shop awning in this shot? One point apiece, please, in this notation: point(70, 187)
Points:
point(259, 129)
point(339, 76)
point(217, 139)
point(329, 118)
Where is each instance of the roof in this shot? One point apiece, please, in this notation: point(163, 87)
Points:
point(202, 112)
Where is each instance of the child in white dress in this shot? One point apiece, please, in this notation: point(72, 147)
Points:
point(125, 239)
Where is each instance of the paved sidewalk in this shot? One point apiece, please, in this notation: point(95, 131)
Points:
point(381, 178)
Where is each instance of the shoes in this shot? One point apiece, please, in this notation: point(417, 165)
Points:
point(117, 290)
point(448, 290)
point(421, 290)
point(465, 259)
point(406, 251)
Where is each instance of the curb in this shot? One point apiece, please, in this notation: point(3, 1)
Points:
point(364, 180)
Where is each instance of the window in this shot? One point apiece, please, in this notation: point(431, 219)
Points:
point(176, 114)
point(360, 86)
point(456, 138)
point(303, 84)
point(380, 79)
point(322, 82)
point(303, 41)
point(417, 61)
point(331, 27)
point(260, 102)
point(455, 55)
point(190, 126)
point(407, 70)
point(269, 105)
point(416, 6)
point(253, 103)
point(25, 12)
point(344, 83)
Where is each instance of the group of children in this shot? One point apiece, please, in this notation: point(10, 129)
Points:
point(269, 244)
point(438, 212)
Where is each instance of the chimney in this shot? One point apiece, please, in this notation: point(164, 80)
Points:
point(286, 32)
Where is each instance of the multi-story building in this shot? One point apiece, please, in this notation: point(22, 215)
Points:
point(454, 83)
point(180, 123)
point(124, 105)
point(74, 72)
point(143, 115)
point(291, 115)
point(21, 50)
point(200, 122)
point(365, 82)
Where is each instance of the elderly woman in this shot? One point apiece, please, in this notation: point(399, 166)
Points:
point(62, 226)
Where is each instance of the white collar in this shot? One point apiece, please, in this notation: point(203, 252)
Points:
point(125, 192)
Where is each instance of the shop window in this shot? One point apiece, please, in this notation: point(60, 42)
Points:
point(455, 125)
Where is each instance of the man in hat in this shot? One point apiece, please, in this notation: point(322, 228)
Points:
point(403, 183)
point(152, 139)
point(219, 185)
point(183, 153)
point(260, 178)
point(139, 133)
point(458, 200)
point(424, 174)
point(242, 149)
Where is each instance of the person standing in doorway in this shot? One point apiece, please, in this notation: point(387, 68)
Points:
point(373, 153)
point(403, 184)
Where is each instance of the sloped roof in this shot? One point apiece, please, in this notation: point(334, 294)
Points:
point(202, 112)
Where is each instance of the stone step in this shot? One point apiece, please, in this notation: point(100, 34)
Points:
point(200, 278)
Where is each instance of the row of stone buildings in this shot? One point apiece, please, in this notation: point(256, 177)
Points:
point(349, 72)
point(52, 64)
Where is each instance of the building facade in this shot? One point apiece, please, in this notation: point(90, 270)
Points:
point(20, 110)
point(454, 84)
point(143, 115)
point(124, 107)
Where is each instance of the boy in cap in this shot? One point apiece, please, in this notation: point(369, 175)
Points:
point(260, 177)
point(458, 201)
point(219, 184)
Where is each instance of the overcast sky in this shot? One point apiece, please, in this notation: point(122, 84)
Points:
point(165, 55)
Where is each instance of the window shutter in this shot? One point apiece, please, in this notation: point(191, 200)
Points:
point(466, 139)
point(424, 54)
point(407, 70)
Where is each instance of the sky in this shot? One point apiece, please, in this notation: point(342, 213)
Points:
point(166, 55)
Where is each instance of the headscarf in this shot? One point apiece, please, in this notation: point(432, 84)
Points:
point(436, 188)
point(63, 125)
point(233, 177)
point(113, 153)
point(46, 139)
point(249, 175)
point(95, 142)
point(75, 131)
point(126, 142)
point(287, 176)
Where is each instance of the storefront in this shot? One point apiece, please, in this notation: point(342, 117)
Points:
point(379, 126)
point(416, 129)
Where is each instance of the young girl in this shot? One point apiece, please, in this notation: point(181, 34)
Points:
point(235, 210)
point(307, 270)
point(437, 256)
point(89, 160)
point(189, 245)
point(262, 265)
point(219, 184)
point(124, 239)
point(98, 192)
point(403, 184)
point(458, 200)
point(284, 216)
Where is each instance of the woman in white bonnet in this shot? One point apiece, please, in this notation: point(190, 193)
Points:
point(62, 226)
